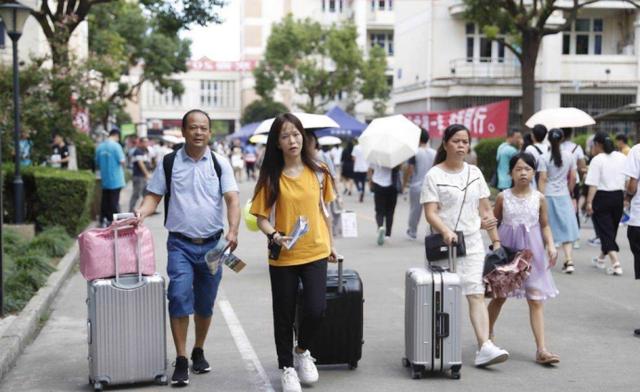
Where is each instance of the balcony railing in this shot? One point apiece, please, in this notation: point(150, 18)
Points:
point(484, 68)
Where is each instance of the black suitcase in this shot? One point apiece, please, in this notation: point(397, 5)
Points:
point(339, 340)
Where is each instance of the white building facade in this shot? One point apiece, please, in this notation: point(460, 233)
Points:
point(374, 20)
point(442, 62)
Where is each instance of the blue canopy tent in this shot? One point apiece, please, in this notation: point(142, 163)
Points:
point(349, 126)
point(244, 133)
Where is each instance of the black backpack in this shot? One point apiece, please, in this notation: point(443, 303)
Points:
point(167, 165)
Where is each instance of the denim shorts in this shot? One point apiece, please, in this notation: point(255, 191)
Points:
point(192, 287)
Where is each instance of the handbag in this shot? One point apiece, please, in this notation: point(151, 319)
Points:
point(435, 247)
point(505, 271)
point(97, 250)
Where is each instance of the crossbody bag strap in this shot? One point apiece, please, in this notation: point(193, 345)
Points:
point(464, 198)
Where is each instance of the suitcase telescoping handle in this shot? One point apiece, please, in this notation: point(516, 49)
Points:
point(451, 261)
point(340, 261)
point(117, 218)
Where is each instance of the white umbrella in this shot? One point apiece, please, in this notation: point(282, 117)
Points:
point(259, 139)
point(389, 141)
point(329, 140)
point(560, 118)
point(309, 121)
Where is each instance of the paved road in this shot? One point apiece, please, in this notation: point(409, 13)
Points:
point(589, 325)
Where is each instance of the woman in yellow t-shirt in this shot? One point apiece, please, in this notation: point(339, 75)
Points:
point(293, 183)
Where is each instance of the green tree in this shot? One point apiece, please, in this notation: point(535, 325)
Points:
point(124, 37)
point(524, 24)
point(320, 62)
point(262, 109)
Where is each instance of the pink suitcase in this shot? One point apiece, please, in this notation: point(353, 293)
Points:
point(97, 250)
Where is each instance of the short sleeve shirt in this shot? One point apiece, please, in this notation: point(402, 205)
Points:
point(557, 177)
point(109, 158)
point(299, 196)
point(62, 152)
point(422, 161)
point(141, 155)
point(447, 189)
point(196, 206)
point(504, 154)
point(606, 172)
point(632, 170)
point(360, 164)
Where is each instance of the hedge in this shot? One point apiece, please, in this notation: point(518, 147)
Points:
point(486, 150)
point(85, 151)
point(53, 197)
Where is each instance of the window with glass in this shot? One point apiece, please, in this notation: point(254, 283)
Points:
point(383, 40)
point(382, 5)
point(217, 93)
point(480, 48)
point(584, 37)
point(332, 5)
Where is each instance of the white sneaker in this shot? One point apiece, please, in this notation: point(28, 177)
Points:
point(290, 381)
point(599, 263)
point(305, 367)
point(490, 354)
point(381, 234)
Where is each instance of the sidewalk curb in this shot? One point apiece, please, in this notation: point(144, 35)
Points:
point(24, 328)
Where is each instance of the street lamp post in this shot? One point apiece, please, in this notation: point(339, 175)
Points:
point(14, 15)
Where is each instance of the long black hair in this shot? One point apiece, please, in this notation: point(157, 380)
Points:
point(451, 130)
point(555, 138)
point(605, 141)
point(526, 158)
point(273, 161)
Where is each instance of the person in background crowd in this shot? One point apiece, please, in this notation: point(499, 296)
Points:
point(557, 170)
point(25, 148)
point(195, 221)
point(141, 171)
point(336, 155)
point(385, 184)
point(632, 171)
point(250, 157)
point(537, 148)
point(418, 167)
point(293, 183)
point(581, 170)
point(605, 200)
point(346, 172)
point(59, 153)
point(527, 140)
point(622, 143)
point(131, 143)
point(110, 160)
point(162, 149)
point(506, 150)
point(522, 212)
point(237, 162)
point(443, 198)
point(360, 169)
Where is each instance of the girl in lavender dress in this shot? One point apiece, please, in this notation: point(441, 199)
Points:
point(524, 225)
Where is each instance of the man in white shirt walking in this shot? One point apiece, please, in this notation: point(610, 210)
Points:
point(418, 167)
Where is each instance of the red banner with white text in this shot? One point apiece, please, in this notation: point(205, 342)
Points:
point(483, 121)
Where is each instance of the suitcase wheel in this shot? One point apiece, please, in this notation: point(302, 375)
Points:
point(416, 372)
point(455, 372)
point(162, 380)
point(406, 363)
point(97, 386)
point(353, 365)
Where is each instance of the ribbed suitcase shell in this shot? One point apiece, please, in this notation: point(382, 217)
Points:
point(432, 321)
point(126, 331)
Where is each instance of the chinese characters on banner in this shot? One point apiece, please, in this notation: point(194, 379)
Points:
point(483, 121)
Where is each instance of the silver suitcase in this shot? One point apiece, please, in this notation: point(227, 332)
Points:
point(433, 300)
point(126, 329)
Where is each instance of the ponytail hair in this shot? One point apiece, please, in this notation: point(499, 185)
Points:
point(441, 154)
point(605, 141)
point(555, 138)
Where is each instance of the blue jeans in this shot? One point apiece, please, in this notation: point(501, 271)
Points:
point(192, 287)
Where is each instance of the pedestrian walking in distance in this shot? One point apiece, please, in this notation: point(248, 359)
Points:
point(141, 170)
point(386, 184)
point(506, 150)
point(110, 160)
point(557, 179)
point(605, 200)
point(443, 198)
point(632, 171)
point(418, 167)
point(194, 182)
point(522, 213)
point(293, 185)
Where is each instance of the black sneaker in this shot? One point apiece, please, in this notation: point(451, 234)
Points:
point(199, 364)
point(636, 332)
point(181, 374)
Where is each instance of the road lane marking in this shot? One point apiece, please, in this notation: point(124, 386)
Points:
point(248, 354)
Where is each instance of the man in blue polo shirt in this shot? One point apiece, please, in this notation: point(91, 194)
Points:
point(506, 151)
point(110, 160)
point(195, 221)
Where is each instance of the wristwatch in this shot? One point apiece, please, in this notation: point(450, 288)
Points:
point(271, 235)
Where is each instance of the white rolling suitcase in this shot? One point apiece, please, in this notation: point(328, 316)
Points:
point(126, 329)
point(433, 300)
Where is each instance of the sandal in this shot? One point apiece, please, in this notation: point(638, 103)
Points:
point(615, 269)
point(544, 357)
point(599, 263)
point(568, 267)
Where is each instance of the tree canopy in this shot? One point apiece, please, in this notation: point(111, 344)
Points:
point(320, 62)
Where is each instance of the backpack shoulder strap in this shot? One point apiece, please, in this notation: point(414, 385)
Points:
point(575, 148)
point(167, 165)
point(537, 149)
point(218, 169)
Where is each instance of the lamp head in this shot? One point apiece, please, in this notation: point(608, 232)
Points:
point(14, 15)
